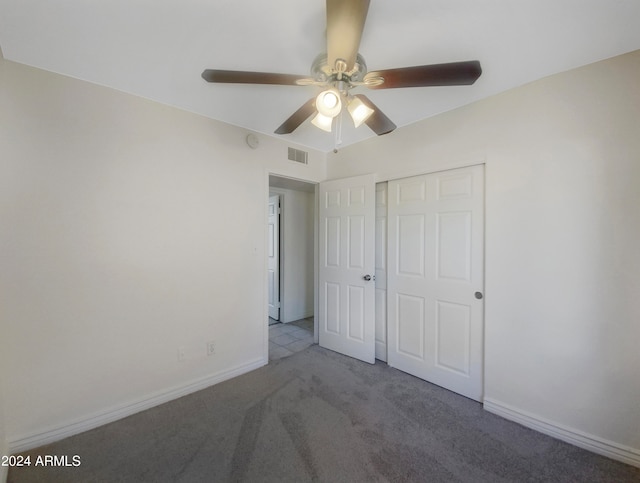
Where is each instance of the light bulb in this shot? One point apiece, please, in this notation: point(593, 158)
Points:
point(329, 100)
point(328, 103)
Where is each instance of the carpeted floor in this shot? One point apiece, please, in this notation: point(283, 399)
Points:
point(320, 416)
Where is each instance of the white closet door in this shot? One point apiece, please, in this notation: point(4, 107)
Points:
point(346, 267)
point(436, 278)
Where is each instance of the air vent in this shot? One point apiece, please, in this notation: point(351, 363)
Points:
point(298, 156)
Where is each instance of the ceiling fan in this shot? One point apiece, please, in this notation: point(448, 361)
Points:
point(342, 68)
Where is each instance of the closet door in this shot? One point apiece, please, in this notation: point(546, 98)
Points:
point(436, 278)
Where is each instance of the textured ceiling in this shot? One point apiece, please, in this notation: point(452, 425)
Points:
point(157, 49)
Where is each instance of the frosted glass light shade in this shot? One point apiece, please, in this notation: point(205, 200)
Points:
point(359, 111)
point(328, 103)
point(323, 122)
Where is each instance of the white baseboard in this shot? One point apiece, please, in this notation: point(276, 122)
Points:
point(4, 451)
point(33, 440)
point(602, 446)
point(299, 316)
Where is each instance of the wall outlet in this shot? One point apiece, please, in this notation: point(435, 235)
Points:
point(211, 348)
point(181, 355)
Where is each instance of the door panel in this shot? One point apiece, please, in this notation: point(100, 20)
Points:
point(454, 246)
point(347, 254)
point(356, 241)
point(356, 313)
point(436, 263)
point(410, 326)
point(453, 324)
point(332, 242)
point(410, 245)
point(332, 308)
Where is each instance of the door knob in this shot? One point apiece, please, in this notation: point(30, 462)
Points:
point(367, 277)
point(478, 295)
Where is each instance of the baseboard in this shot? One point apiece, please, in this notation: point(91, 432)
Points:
point(300, 316)
point(4, 451)
point(34, 440)
point(602, 446)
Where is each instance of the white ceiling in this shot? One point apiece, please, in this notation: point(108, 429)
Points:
point(157, 49)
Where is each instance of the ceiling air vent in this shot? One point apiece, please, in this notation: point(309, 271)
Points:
point(298, 156)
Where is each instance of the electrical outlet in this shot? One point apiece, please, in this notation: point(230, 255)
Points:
point(211, 348)
point(181, 355)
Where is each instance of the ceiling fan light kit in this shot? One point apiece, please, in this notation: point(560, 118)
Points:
point(359, 111)
point(328, 103)
point(323, 122)
point(342, 68)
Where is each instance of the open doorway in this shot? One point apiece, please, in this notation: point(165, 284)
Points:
point(291, 276)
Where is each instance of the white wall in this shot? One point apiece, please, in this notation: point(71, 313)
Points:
point(297, 228)
point(130, 229)
point(562, 230)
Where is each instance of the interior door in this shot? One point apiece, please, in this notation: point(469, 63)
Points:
point(346, 267)
point(435, 278)
point(273, 256)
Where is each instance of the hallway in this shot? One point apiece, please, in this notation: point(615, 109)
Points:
point(287, 339)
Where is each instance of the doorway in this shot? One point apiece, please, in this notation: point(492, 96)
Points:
point(291, 249)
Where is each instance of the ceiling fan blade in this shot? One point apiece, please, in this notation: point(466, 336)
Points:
point(452, 74)
point(378, 122)
point(345, 23)
point(243, 77)
point(298, 117)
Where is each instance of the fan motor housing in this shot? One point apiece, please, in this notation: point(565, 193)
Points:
point(321, 71)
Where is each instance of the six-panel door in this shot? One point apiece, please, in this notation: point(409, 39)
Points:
point(347, 250)
point(435, 267)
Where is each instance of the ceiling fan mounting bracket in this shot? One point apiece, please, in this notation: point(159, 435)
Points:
point(340, 68)
point(323, 73)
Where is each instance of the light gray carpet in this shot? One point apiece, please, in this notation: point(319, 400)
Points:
point(320, 416)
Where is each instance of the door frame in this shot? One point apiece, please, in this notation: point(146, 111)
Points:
point(265, 304)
